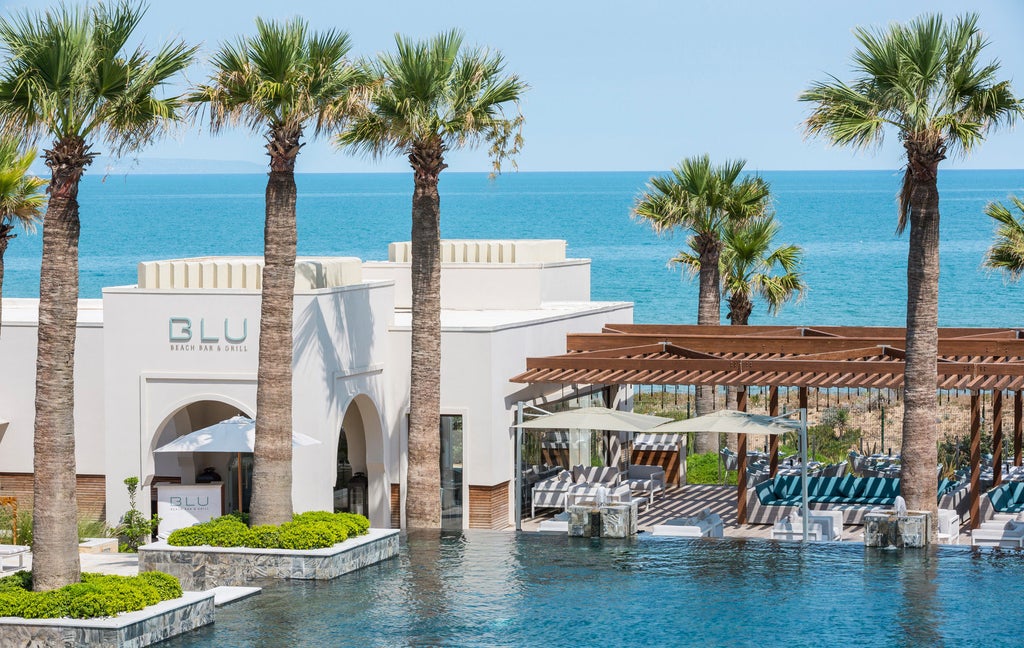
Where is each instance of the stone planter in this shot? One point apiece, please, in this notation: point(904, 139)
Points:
point(886, 529)
point(202, 568)
point(608, 521)
point(128, 630)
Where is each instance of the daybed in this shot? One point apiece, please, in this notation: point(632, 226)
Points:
point(1007, 497)
point(771, 501)
point(999, 533)
point(704, 524)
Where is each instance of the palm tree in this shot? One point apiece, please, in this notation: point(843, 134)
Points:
point(703, 199)
point(69, 76)
point(21, 198)
point(433, 97)
point(750, 267)
point(279, 82)
point(1007, 251)
point(926, 81)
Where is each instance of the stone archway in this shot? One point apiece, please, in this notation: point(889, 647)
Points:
point(361, 431)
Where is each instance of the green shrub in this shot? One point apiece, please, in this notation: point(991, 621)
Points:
point(136, 529)
point(312, 530)
point(310, 535)
point(98, 595)
point(264, 536)
point(703, 469)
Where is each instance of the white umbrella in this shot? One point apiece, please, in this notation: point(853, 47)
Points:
point(730, 422)
point(237, 434)
point(594, 418)
point(734, 422)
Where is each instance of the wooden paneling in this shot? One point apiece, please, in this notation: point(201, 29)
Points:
point(488, 506)
point(92, 493)
point(396, 506)
point(668, 460)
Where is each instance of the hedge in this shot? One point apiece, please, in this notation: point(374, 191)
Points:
point(98, 595)
point(313, 530)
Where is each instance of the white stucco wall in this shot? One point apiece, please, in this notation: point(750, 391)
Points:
point(18, 345)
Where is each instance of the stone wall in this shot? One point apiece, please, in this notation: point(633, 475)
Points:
point(202, 568)
point(129, 630)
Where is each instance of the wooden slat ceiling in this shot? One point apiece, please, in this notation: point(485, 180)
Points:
point(783, 356)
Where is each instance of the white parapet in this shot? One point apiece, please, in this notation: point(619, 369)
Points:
point(476, 251)
point(245, 273)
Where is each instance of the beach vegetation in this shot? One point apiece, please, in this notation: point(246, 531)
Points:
point(75, 75)
point(703, 199)
point(432, 97)
point(927, 82)
point(284, 82)
point(1007, 251)
point(22, 200)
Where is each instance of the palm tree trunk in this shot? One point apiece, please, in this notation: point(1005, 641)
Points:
point(423, 500)
point(709, 312)
point(5, 239)
point(272, 455)
point(55, 561)
point(918, 482)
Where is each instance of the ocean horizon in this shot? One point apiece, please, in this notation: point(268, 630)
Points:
point(855, 265)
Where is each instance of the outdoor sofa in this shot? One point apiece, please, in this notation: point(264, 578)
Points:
point(705, 524)
point(773, 500)
point(1007, 497)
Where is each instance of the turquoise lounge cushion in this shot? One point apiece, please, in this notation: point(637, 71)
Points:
point(851, 487)
point(765, 492)
point(820, 488)
point(786, 486)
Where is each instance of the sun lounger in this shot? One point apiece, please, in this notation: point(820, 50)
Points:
point(999, 534)
point(705, 524)
point(551, 493)
point(14, 551)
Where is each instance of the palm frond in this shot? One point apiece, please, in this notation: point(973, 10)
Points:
point(68, 74)
point(1007, 251)
point(22, 197)
point(436, 93)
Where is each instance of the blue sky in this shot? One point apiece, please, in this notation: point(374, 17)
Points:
point(617, 85)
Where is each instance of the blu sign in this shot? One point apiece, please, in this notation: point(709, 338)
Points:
point(214, 335)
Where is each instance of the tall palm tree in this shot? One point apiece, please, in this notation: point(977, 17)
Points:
point(434, 97)
point(703, 198)
point(70, 76)
point(926, 81)
point(1007, 251)
point(279, 82)
point(21, 198)
point(751, 268)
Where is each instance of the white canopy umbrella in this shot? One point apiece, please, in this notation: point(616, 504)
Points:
point(237, 434)
point(594, 418)
point(735, 422)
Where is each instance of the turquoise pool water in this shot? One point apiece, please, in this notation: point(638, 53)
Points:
point(503, 589)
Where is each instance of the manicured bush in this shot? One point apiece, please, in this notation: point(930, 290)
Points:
point(312, 530)
point(98, 595)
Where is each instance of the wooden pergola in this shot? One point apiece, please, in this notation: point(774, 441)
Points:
point(820, 357)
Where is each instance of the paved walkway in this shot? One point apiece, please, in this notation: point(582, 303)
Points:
point(123, 564)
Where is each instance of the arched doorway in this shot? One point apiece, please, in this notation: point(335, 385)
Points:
point(360, 449)
point(188, 468)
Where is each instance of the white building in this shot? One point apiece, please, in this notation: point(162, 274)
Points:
point(178, 352)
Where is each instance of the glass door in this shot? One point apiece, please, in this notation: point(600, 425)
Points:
point(451, 472)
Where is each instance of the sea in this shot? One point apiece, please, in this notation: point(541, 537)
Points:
point(845, 221)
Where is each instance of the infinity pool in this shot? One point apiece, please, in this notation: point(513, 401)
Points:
point(504, 589)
